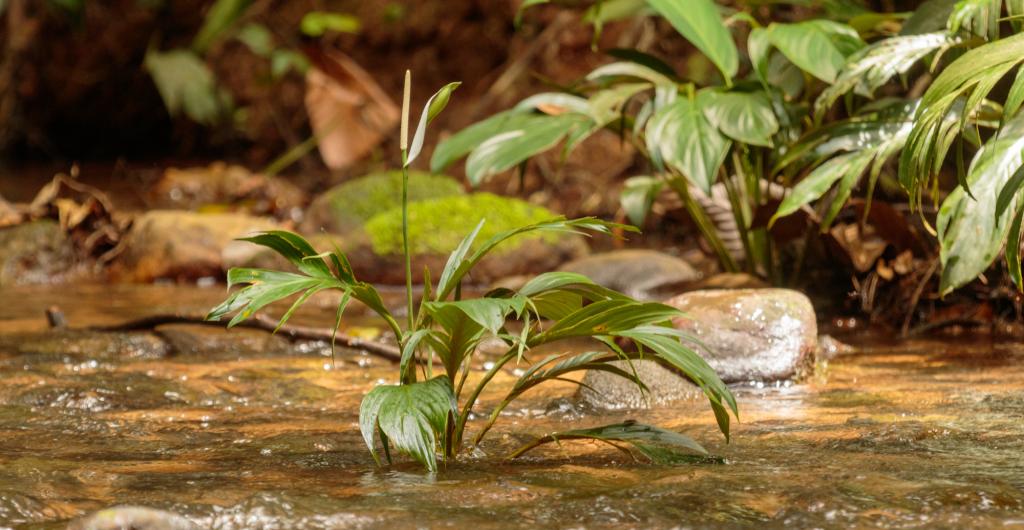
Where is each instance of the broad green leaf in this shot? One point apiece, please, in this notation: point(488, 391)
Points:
point(680, 137)
point(317, 23)
point(659, 445)
point(186, 85)
point(818, 47)
point(508, 149)
point(758, 48)
point(434, 106)
point(743, 116)
point(489, 313)
point(638, 195)
point(700, 22)
point(221, 15)
point(970, 235)
point(413, 417)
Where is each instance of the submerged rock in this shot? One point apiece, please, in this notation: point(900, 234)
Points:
point(348, 206)
point(34, 252)
point(183, 245)
point(437, 227)
point(133, 518)
point(640, 273)
point(748, 335)
point(607, 391)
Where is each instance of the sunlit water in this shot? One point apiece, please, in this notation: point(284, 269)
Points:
point(260, 433)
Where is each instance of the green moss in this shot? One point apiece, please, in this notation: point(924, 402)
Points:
point(356, 201)
point(438, 226)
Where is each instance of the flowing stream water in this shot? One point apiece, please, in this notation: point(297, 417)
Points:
point(243, 430)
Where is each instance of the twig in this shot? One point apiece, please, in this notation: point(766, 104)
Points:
point(263, 322)
point(917, 296)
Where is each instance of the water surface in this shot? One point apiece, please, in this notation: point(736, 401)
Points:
point(244, 430)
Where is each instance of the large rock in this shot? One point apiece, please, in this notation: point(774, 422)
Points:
point(640, 273)
point(133, 518)
point(436, 228)
point(348, 206)
point(184, 245)
point(749, 335)
point(219, 185)
point(34, 252)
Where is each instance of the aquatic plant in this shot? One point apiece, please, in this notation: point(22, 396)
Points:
point(428, 411)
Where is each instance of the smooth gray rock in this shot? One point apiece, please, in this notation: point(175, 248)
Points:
point(749, 335)
point(133, 518)
point(640, 273)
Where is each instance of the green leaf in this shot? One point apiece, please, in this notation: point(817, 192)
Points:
point(930, 16)
point(186, 85)
point(814, 185)
point(265, 287)
point(489, 313)
point(679, 136)
point(604, 11)
point(221, 15)
point(413, 417)
point(1015, 97)
point(700, 23)
point(818, 47)
point(576, 226)
point(976, 17)
point(644, 59)
point(970, 236)
point(743, 116)
point(510, 148)
point(606, 317)
point(631, 69)
point(659, 445)
point(257, 38)
point(434, 106)
point(638, 195)
point(468, 139)
point(295, 249)
point(317, 23)
point(875, 65)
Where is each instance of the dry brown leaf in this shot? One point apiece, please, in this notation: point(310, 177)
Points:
point(349, 113)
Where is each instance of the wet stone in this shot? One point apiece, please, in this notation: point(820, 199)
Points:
point(607, 391)
point(56, 344)
point(34, 253)
point(640, 273)
point(134, 518)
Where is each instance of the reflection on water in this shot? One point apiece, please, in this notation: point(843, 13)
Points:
point(254, 432)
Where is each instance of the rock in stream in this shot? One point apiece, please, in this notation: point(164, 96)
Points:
point(748, 334)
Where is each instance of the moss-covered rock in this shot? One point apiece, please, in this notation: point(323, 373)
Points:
point(436, 228)
point(348, 206)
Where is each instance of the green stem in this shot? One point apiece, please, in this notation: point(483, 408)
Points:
point(405, 238)
point(460, 426)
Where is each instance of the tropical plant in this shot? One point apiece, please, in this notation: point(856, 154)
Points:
point(430, 407)
point(753, 136)
point(713, 145)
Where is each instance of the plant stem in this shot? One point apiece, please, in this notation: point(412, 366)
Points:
point(405, 239)
point(460, 426)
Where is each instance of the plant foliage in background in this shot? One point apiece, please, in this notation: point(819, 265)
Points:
point(771, 122)
point(428, 411)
